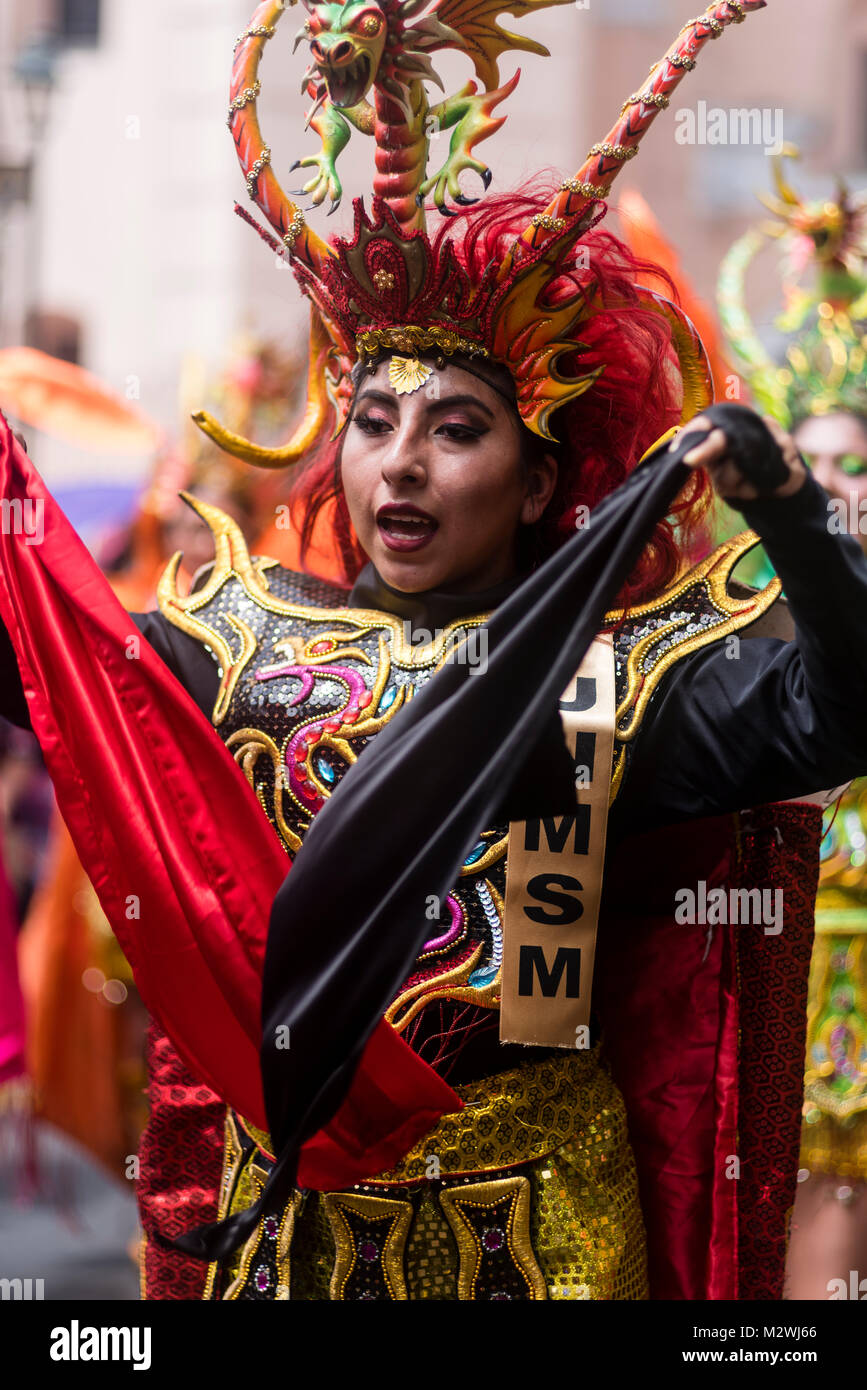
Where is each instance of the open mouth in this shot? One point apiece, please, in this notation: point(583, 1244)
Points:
point(347, 85)
point(405, 528)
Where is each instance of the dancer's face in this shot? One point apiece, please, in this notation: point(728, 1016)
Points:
point(435, 482)
point(835, 447)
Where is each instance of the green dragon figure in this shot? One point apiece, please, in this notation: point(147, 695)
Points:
point(370, 63)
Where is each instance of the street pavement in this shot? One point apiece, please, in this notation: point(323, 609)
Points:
point(74, 1229)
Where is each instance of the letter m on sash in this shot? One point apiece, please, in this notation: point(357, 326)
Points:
point(567, 961)
point(558, 830)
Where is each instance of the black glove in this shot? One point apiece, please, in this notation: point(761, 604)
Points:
point(752, 447)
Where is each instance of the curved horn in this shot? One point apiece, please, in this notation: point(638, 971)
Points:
point(691, 353)
point(254, 156)
point(312, 422)
point(605, 160)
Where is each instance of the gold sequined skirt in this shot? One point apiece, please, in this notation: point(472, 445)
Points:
point(529, 1192)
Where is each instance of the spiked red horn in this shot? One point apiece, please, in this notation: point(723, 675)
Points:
point(605, 160)
point(254, 155)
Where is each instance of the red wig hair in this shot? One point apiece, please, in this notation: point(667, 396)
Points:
point(602, 434)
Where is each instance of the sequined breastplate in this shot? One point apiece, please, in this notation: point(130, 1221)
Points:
point(306, 682)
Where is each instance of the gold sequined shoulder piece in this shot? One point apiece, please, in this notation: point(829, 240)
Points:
point(232, 560)
point(232, 557)
point(283, 594)
point(697, 610)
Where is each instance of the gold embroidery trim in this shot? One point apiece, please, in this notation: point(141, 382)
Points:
point(586, 190)
point(257, 1178)
point(484, 1195)
point(285, 1233)
point(412, 339)
point(397, 1214)
point(233, 561)
point(621, 152)
point(495, 851)
point(656, 99)
point(618, 767)
point(246, 746)
point(511, 1118)
point(713, 575)
point(232, 1155)
point(437, 987)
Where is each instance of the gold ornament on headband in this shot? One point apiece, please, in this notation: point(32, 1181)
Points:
point(407, 374)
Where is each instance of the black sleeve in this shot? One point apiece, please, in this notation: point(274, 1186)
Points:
point(13, 705)
point(764, 720)
point(186, 658)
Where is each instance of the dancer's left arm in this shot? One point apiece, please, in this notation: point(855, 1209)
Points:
point(741, 724)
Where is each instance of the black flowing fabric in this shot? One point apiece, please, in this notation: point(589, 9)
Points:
point(349, 920)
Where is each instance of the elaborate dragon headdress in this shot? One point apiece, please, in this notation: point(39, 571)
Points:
point(823, 269)
point(390, 288)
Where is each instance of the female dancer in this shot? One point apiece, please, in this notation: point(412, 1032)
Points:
point(410, 1150)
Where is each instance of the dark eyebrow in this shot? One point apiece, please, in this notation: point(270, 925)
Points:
point(446, 403)
point(443, 403)
point(382, 397)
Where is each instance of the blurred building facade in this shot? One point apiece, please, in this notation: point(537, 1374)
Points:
point(123, 252)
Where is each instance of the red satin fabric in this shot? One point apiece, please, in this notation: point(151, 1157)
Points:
point(173, 838)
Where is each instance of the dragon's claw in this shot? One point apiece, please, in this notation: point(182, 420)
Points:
point(487, 175)
point(324, 183)
point(445, 183)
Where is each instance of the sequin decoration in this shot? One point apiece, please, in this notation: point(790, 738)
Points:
point(491, 1224)
point(431, 1252)
point(565, 1224)
point(513, 1117)
point(586, 1226)
point(369, 1235)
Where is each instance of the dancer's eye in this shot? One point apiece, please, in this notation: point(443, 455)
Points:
point(371, 424)
point(461, 433)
